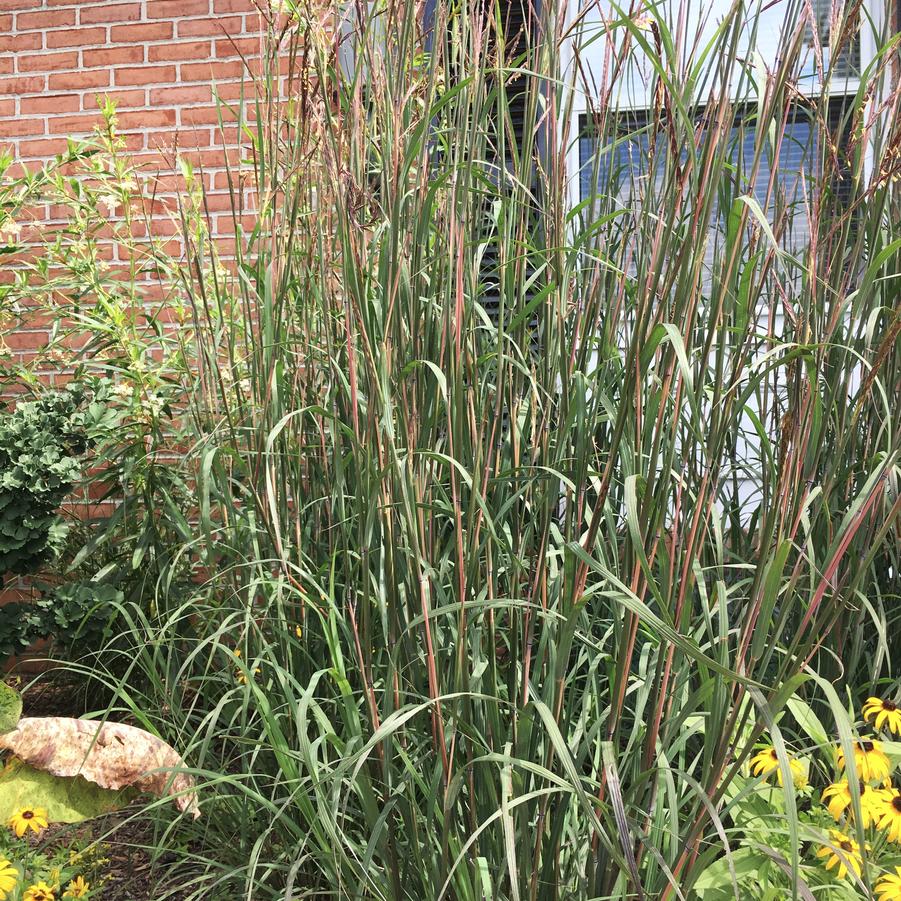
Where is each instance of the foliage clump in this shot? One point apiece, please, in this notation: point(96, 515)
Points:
point(41, 442)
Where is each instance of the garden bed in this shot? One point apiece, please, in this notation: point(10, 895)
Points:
point(134, 868)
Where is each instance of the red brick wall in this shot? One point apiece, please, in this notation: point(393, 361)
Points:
point(159, 60)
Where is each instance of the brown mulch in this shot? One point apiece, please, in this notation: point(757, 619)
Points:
point(132, 873)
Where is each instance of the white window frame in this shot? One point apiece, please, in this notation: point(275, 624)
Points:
point(580, 105)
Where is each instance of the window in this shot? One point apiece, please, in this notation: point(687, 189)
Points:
point(628, 163)
point(621, 151)
point(620, 162)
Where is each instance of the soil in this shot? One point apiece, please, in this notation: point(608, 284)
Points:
point(132, 875)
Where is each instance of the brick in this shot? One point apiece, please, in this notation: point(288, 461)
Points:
point(48, 62)
point(20, 4)
point(109, 13)
point(113, 56)
point(195, 137)
point(76, 37)
point(142, 31)
point(202, 115)
point(180, 95)
point(145, 75)
point(68, 125)
point(219, 203)
point(8, 107)
point(30, 84)
point(234, 6)
point(21, 340)
point(213, 70)
point(171, 9)
point(59, 103)
point(17, 127)
point(210, 27)
point(122, 99)
point(41, 148)
point(17, 43)
point(6, 65)
point(226, 47)
point(178, 51)
point(158, 118)
point(134, 142)
point(45, 19)
point(233, 90)
point(78, 81)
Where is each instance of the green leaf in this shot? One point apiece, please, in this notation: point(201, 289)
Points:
point(66, 800)
point(714, 884)
point(10, 707)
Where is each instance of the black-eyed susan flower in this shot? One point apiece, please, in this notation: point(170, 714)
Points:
point(9, 876)
point(77, 888)
point(869, 759)
point(766, 761)
point(889, 814)
point(881, 713)
point(25, 818)
point(240, 675)
point(843, 852)
point(837, 798)
point(40, 891)
point(888, 888)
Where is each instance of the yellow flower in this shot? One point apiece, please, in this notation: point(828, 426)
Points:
point(298, 631)
point(869, 759)
point(40, 891)
point(837, 798)
point(843, 853)
point(883, 712)
point(889, 886)
point(77, 888)
point(767, 762)
point(34, 818)
point(889, 814)
point(9, 876)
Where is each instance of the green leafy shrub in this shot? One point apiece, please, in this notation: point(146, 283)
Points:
point(78, 615)
point(41, 443)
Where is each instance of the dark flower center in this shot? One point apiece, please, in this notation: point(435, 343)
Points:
point(27, 814)
point(896, 803)
point(889, 705)
point(865, 746)
point(846, 846)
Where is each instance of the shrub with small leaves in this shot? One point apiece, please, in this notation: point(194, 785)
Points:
point(40, 445)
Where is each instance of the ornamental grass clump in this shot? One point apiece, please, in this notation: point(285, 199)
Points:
point(529, 515)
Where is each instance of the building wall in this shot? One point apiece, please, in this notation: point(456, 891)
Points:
point(159, 60)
